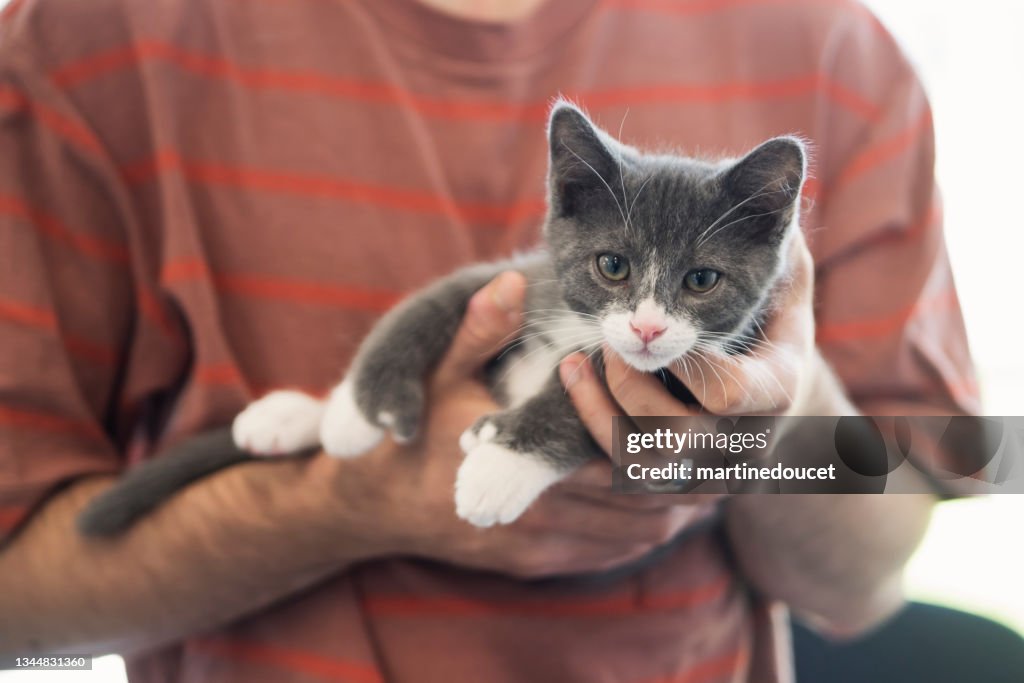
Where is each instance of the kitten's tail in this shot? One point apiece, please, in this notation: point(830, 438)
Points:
point(149, 484)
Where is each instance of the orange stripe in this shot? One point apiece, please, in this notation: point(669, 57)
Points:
point(94, 247)
point(23, 314)
point(311, 82)
point(44, 319)
point(308, 663)
point(698, 7)
point(11, 516)
point(726, 666)
point(265, 287)
point(89, 350)
point(443, 607)
point(63, 126)
point(51, 226)
point(219, 374)
point(12, 8)
point(45, 422)
point(884, 326)
point(883, 151)
point(724, 92)
point(151, 306)
point(330, 187)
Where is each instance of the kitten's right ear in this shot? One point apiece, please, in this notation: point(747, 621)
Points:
point(580, 159)
point(769, 178)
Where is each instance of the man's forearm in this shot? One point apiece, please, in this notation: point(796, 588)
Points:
point(220, 549)
point(835, 559)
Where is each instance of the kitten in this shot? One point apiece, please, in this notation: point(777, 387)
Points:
point(655, 256)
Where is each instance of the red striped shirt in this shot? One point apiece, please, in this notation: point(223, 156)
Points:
point(222, 196)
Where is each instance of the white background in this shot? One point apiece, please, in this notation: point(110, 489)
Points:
point(971, 57)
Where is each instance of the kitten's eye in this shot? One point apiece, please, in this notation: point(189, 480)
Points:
point(701, 280)
point(613, 267)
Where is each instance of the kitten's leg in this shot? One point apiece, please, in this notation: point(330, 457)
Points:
point(384, 388)
point(514, 455)
point(280, 423)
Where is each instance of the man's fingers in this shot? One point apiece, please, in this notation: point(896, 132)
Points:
point(593, 402)
point(640, 394)
point(801, 265)
point(492, 317)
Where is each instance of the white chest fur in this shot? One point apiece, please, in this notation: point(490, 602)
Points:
point(534, 363)
point(527, 370)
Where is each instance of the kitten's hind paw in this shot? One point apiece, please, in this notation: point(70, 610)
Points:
point(344, 431)
point(280, 423)
point(496, 484)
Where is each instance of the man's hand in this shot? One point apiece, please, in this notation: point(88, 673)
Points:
point(246, 537)
point(837, 560)
point(399, 500)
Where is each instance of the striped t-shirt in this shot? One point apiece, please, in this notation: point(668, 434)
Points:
point(201, 200)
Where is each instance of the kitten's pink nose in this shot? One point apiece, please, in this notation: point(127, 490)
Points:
point(647, 331)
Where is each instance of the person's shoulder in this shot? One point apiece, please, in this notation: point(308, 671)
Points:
point(819, 25)
point(52, 33)
point(810, 18)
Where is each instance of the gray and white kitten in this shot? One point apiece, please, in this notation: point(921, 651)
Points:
point(659, 257)
point(656, 256)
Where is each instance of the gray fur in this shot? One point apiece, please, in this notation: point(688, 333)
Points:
point(146, 486)
point(667, 214)
point(663, 213)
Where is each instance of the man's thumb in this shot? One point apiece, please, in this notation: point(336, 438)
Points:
point(492, 316)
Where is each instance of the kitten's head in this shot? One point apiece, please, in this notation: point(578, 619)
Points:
point(669, 253)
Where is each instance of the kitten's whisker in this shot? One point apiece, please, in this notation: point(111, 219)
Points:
point(703, 381)
point(707, 354)
point(601, 178)
point(564, 312)
point(685, 364)
point(738, 220)
point(586, 359)
point(784, 356)
point(557, 336)
point(565, 345)
point(629, 213)
point(711, 366)
point(523, 336)
point(776, 354)
point(748, 343)
point(622, 176)
point(758, 193)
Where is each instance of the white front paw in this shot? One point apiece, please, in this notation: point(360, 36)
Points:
point(495, 484)
point(280, 423)
point(344, 431)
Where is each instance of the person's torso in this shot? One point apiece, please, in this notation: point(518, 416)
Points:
point(293, 168)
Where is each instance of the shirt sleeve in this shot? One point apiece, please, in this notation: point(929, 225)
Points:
point(67, 312)
point(888, 315)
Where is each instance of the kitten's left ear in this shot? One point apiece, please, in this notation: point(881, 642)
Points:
point(768, 180)
point(581, 159)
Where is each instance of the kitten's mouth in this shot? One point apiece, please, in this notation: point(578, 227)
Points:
point(646, 359)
